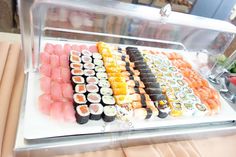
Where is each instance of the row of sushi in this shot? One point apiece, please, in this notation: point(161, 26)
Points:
point(92, 93)
point(129, 91)
point(199, 85)
point(56, 98)
point(152, 87)
point(180, 96)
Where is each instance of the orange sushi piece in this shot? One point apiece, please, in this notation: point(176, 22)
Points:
point(214, 94)
point(213, 106)
point(205, 83)
point(204, 95)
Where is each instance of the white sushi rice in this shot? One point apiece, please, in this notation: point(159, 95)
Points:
point(109, 100)
point(91, 97)
point(98, 112)
point(79, 111)
point(109, 110)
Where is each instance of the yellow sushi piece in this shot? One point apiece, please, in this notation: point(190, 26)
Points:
point(120, 91)
point(119, 85)
point(106, 53)
point(176, 109)
point(113, 70)
point(123, 99)
point(115, 75)
point(117, 79)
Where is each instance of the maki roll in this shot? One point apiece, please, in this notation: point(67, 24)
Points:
point(77, 80)
point(80, 88)
point(75, 59)
point(101, 75)
point(82, 114)
point(89, 65)
point(86, 53)
point(108, 100)
point(92, 88)
point(149, 79)
point(75, 53)
point(98, 62)
point(96, 111)
point(153, 90)
point(109, 113)
point(92, 80)
point(76, 66)
point(100, 69)
point(77, 72)
point(145, 70)
point(94, 98)
point(145, 75)
point(152, 85)
point(97, 56)
point(89, 72)
point(104, 83)
point(106, 91)
point(79, 99)
point(86, 59)
point(157, 97)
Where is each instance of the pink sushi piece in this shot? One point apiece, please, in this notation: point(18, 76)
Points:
point(65, 74)
point(58, 49)
point(45, 69)
point(45, 84)
point(68, 112)
point(93, 48)
point(67, 49)
point(56, 92)
point(84, 47)
point(75, 47)
point(49, 48)
point(45, 58)
point(67, 90)
point(56, 111)
point(64, 61)
point(56, 74)
point(54, 59)
point(45, 103)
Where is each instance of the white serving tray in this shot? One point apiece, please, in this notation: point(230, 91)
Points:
point(38, 125)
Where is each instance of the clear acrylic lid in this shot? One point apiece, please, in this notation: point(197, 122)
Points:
point(118, 23)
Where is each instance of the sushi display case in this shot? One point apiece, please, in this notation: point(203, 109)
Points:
point(108, 74)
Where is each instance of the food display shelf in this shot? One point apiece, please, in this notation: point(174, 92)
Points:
point(121, 25)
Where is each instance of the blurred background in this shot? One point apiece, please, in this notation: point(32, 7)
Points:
point(218, 9)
